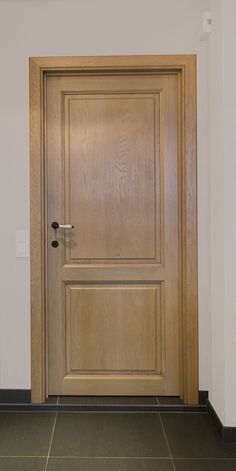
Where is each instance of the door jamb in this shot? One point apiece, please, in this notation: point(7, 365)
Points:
point(185, 67)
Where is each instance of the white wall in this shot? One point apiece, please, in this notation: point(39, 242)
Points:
point(217, 393)
point(83, 27)
point(223, 203)
point(229, 114)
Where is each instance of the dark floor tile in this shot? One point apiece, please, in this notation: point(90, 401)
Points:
point(109, 435)
point(108, 464)
point(205, 465)
point(22, 464)
point(109, 400)
point(170, 400)
point(25, 433)
point(193, 436)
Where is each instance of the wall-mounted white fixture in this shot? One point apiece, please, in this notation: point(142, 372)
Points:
point(22, 244)
point(206, 25)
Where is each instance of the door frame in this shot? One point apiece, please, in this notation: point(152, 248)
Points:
point(184, 66)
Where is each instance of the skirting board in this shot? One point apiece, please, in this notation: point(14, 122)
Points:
point(202, 397)
point(15, 396)
point(228, 434)
point(22, 396)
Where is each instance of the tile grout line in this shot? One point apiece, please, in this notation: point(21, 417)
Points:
point(50, 444)
point(168, 446)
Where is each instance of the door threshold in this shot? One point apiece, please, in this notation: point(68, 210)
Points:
point(108, 404)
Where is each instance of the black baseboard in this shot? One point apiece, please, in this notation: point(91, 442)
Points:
point(19, 396)
point(202, 397)
point(228, 434)
point(15, 396)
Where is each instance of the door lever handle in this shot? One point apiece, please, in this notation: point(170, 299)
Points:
point(56, 225)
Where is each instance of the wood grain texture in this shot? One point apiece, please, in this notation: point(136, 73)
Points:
point(110, 63)
point(112, 272)
point(37, 295)
point(185, 67)
point(113, 385)
point(189, 242)
point(121, 194)
point(54, 202)
point(122, 320)
point(112, 201)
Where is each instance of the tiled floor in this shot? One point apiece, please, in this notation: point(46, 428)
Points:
point(111, 441)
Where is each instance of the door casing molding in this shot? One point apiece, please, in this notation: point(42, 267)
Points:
point(185, 67)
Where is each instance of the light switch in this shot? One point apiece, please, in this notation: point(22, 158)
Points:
point(206, 26)
point(22, 244)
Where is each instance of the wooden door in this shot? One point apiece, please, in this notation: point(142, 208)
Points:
point(113, 283)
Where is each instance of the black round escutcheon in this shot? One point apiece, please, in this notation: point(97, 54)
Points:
point(55, 225)
point(55, 243)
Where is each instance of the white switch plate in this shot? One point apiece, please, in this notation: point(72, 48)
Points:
point(206, 26)
point(22, 244)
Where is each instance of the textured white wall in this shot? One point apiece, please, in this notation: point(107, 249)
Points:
point(223, 202)
point(229, 113)
point(217, 393)
point(83, 27)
